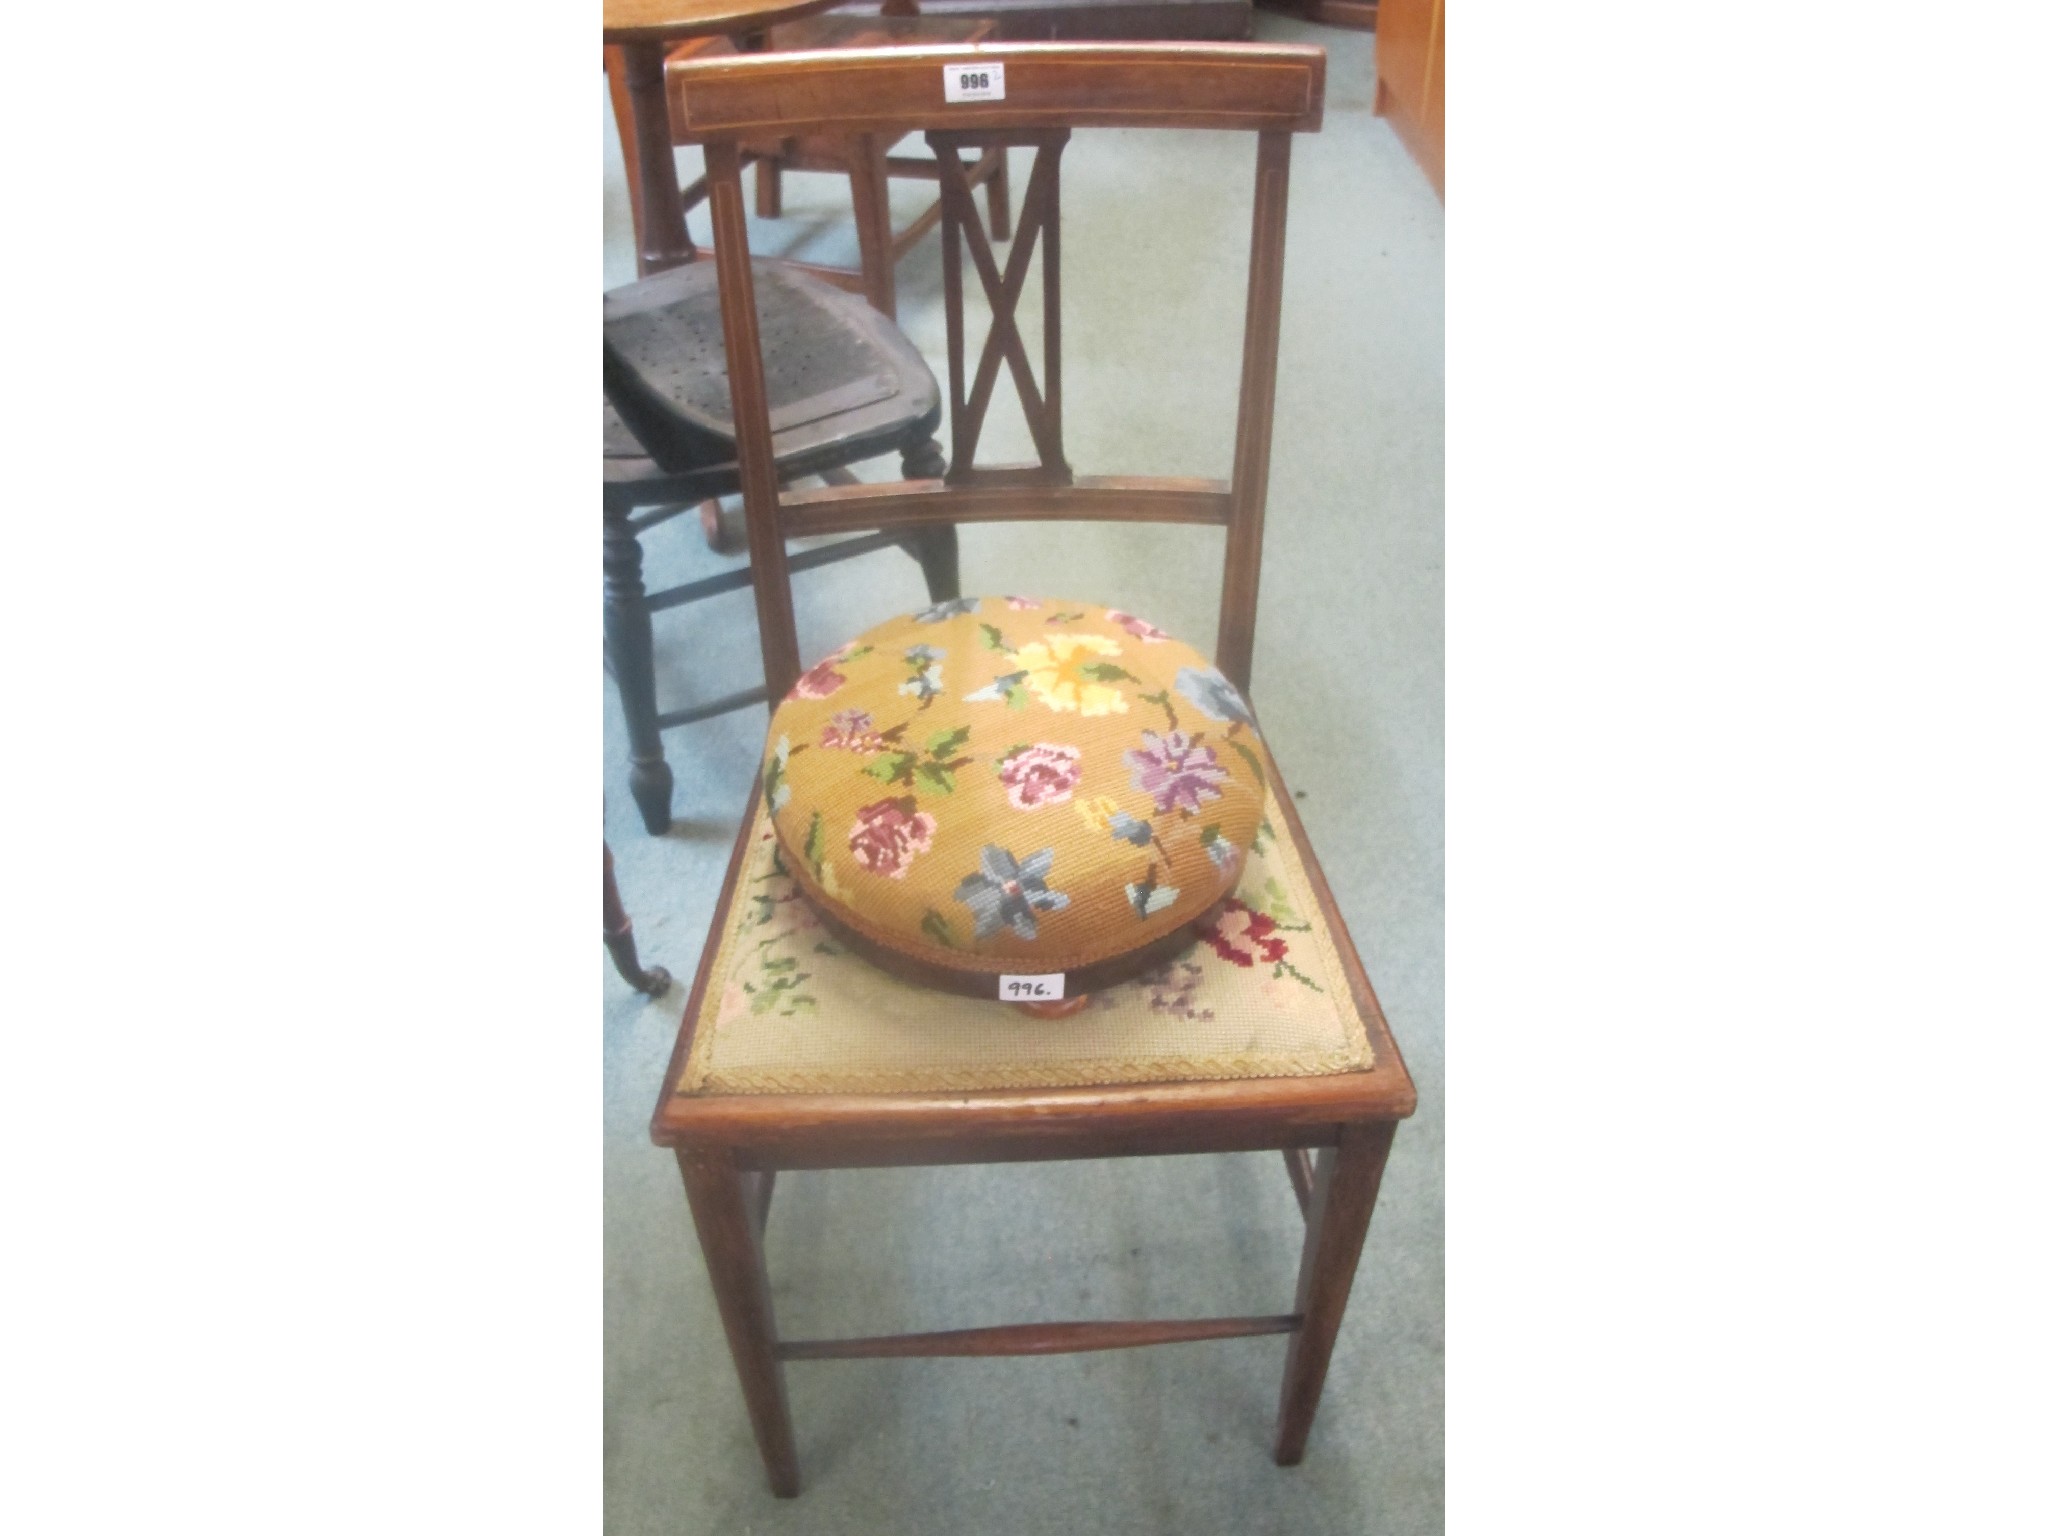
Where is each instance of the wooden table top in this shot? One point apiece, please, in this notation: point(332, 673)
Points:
point(646, 21)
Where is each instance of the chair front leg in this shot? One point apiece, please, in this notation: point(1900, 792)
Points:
point(629, 655)
point(739, 1279)
point(1346, 1184)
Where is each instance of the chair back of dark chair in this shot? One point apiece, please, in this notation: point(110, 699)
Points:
point(1026, 95)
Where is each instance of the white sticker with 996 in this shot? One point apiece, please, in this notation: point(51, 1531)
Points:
point(1032, 989)
point(973, 82)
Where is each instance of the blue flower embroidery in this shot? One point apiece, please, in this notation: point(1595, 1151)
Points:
point(952, 608)
point(1009, 891)
point(1211, 692)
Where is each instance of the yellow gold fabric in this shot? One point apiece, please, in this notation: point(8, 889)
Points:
point(1023, 785)
point(1261, 993)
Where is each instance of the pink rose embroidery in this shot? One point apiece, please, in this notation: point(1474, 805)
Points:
point(1024, 604)
point(887, 833)
point(1149, 633)
point(1041, 775)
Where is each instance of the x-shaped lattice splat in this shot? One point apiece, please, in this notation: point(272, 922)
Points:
point(1039, 216)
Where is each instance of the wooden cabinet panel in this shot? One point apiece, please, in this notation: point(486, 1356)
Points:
point(1410, 90)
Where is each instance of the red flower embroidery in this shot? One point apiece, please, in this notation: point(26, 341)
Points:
point(887, 833)
point(1240, 931)
point(821, 682)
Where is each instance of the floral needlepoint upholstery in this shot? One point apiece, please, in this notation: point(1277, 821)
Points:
point(787, 1008)
point(1015, 785)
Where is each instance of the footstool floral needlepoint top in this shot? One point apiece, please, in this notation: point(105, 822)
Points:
point(1005, 784)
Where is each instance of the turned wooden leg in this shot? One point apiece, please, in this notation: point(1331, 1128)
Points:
point(618, 938)
point(629, 654)
point(1346, 1183)
point(935, 546)
point(867, 169)
point(732, 1253)
point(999, 193)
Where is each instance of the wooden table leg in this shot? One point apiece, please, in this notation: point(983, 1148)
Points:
point(867, 169)
point(664, 239)
point(732, 1254)
point(618, 939)
point(1347, 1182)
point(629, 653)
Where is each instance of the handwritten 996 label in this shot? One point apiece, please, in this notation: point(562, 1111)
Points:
point(1032, 989)
point(973, 82)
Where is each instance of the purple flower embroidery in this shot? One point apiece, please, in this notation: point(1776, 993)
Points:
point(1175, 772)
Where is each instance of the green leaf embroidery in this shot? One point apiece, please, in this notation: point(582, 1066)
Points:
point(1017, 698)
point(890, 767)
point(814, 844)
point(992, 638)
point(1282, 968)
point(1251, 757)
point(1106, 672)
point(946, 743)
point(1277, 906)
point(936, 929)
point(936, 776)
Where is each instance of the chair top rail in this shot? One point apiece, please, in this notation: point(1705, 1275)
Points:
point(1254, 86)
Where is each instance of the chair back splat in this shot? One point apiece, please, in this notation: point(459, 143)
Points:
point(1048, 89)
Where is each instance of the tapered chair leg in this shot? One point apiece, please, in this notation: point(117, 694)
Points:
point(1346, 1183)
point(732, 1254)
point(629, 656)
point(768, 185)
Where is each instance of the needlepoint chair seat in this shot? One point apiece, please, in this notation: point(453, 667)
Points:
point(1014, 787)
point(788, 1009)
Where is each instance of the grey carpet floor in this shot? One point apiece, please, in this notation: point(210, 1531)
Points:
point(1349, 682)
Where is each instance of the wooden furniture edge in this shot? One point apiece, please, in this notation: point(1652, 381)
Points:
point(845, 1129)
point(1272, 86)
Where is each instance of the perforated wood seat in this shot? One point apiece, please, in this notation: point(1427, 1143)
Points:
point(843, 383)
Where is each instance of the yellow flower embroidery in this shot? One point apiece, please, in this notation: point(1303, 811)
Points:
point(1096, 812)
point(1055, 666)
point(828, 878)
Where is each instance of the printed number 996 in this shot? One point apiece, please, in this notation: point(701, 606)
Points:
point(973, 82)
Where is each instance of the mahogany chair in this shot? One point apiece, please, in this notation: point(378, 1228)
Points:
point(1266, 1035)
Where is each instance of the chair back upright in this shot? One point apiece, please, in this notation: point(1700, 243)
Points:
point(1021, 95)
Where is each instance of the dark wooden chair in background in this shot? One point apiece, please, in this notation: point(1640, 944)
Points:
point(848, 1083)
point(864, 159)
point(843, 385)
